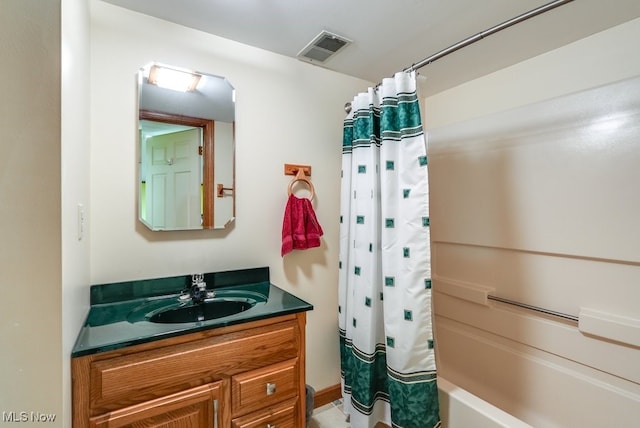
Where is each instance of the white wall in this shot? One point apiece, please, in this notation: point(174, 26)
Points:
point(287, 112)
point(30, 273)
point(75, 182)
point(519, 219)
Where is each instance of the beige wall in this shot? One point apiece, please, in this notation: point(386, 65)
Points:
point(30, 273)
point(549, 222)
point(287, 112)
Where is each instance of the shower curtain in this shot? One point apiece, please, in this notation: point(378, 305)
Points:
point(386, 343)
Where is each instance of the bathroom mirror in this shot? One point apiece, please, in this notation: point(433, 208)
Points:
point(186, 165)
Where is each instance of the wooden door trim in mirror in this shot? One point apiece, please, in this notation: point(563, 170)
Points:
point(207, 152)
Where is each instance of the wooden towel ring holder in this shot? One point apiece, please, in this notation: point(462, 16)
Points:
point(301, 176)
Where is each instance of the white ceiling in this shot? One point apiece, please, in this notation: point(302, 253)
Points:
point(390, 35)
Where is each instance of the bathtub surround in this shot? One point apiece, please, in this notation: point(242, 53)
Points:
point(386, 342)
point(552, 223)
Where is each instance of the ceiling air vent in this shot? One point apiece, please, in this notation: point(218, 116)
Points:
point(322, 47)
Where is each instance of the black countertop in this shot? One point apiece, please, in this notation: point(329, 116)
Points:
point(119, 313)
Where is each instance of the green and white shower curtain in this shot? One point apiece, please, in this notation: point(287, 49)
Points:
point(386, 342)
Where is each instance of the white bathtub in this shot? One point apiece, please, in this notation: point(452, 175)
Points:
point(461, 409)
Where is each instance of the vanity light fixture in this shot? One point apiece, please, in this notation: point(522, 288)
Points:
point(174, 79)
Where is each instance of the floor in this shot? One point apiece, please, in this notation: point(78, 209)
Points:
point(331, 416)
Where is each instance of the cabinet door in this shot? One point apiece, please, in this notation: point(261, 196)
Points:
point(194, 408)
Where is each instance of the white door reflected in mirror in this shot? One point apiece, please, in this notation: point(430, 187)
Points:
point(172, 180)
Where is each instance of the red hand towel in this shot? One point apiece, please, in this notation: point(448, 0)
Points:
point(300, 227)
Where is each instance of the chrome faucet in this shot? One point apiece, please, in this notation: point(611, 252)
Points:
point(198, 288)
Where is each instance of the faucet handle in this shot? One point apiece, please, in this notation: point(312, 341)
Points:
point(197, 278)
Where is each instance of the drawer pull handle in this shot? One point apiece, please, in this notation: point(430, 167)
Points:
point(271, 389)
point(271, 426)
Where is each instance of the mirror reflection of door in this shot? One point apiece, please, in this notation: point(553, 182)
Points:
point(154, 124)
point(173, 180)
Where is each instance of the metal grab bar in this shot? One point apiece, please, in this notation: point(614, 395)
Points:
point(534, 308)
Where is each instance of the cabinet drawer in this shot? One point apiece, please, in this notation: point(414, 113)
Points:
point(162, 371)
point(265, 386)
point(282, 416)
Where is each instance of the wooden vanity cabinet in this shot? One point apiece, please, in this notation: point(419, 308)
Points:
point(241, 376)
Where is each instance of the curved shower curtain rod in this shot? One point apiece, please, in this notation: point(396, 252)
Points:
point(479, 36)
